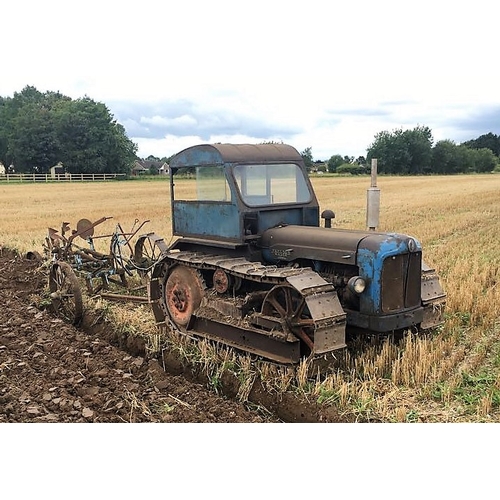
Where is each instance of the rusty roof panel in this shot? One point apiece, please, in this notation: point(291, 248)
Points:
point(219, 154)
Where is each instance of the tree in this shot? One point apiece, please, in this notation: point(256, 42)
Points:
point(40, 129)
point(4, 113)
point(489, 141)
point(308, 158)
point(446, 158)
point(402, 151)
point(91, 141)
point(391, 152)
point(480, 160)
point(32, 140)
point(420, 148)
point(334, 162)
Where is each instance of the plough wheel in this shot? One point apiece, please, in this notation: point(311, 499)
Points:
point(65, 293)
point(147, 251)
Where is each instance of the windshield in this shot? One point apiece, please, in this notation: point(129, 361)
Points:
point(270, 184)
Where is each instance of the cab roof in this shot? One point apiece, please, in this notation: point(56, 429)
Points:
point(220, 154)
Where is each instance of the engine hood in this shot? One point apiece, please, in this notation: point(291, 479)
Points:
point(287, 243)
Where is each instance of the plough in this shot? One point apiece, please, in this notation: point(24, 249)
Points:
point(129, 256)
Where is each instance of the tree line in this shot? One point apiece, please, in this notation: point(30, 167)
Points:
point(39, 130)
point(412, 152)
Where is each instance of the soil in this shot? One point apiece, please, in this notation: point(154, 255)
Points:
point(51, 371)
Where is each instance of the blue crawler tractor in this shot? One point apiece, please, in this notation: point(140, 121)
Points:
point(251, 266)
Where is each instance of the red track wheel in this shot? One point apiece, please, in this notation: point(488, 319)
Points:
point(183, 293)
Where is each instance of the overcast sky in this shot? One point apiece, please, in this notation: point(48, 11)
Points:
point(322, 74)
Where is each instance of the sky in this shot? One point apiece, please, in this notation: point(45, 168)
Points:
point(325, 75)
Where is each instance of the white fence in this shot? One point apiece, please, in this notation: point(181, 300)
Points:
point(59, 177)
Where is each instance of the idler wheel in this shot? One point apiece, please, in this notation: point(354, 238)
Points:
point(183, 293)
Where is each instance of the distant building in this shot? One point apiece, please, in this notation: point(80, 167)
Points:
point(164, 169)
point(139, 168)
point(142, 167)
point(57, 170)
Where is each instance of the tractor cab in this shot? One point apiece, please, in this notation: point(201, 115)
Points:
point(239, 191)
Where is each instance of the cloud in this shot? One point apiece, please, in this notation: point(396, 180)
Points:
point(196, 119)
point(480, 119)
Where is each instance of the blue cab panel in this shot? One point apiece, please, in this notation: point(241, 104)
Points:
point(207, 220)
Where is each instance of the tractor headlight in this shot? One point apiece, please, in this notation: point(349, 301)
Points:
point(412, 245)
point(357, 285)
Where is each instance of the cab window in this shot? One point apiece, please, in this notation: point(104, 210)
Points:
point(271, 184)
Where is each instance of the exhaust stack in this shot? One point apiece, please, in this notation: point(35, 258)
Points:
point(373, 200)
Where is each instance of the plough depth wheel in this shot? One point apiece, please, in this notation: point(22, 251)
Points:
point(65, 293)
point(147, 251)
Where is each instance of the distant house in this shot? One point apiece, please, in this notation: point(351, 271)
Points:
point(57, 170)
point(142, 167)
point(164, 169)
point(139, 169)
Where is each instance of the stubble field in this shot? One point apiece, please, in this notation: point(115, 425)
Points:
point(451, 376)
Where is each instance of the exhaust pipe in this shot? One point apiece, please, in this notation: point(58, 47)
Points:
point(373, 200)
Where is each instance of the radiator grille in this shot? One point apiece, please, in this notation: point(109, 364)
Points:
point(400, 285)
